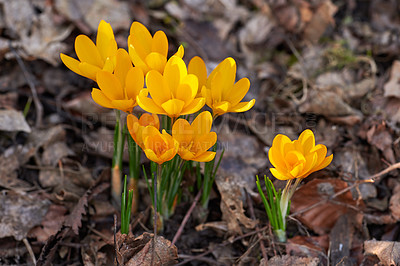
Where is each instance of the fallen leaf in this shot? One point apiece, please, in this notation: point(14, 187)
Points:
point(11, 120)
point(137, 251)
point(394, 203)
point(322, 217)
point(50, 224)
point(321, 19)
point(379, 136)
point(39, 35)
point(328, 104)
point(232, 207)
point(19, 213)
point(392, 86)
point(309, 246)
point(388, 252)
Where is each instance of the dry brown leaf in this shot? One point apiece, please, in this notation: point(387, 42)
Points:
point(392, 87)
point(117, 13)
point(12, 120)
point(379, 136)
point(232, 207)
point(51, 223)
point(321, 19)
point(39, 36)
point(330, 105)
point(19, 212)
point(309, 246)
point(137, 251)
point(322, 218)
point(394, 203)
point(388, 252)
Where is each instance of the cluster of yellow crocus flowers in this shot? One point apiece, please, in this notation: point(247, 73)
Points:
point(145, 76)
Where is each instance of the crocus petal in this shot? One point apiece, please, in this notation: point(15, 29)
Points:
point(123, 65)
point(194, 106)
point(158, 87)
point(71, 63)
point(325, 163)
point(220, 108)
point(198, 67)
point(140, 38)
point(105, 40)
point(156, 61)
point(109, 65)
point(160, 43)
point(123, 105)
point(238, 91)
point(175, 70)
point(182, 131)
point(187, 90)
point(134, 82)
point(279, 174)
point(148, 104)
point(99, 98)
point(87, 51)
point(152, 156)
point(137, 61)
point(205, 157)
point(202, 123)
point(110, 85)
point(173, 107)
point(242, 106)
point(89, 70)
point(180, 52)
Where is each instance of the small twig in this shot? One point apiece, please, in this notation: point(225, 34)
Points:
point(253, 216)
point(31, 84)
point(186, 218)
point(115, 239)
point(30, 251)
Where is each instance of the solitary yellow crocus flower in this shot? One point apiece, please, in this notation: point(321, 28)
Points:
point(93, 57)
point(195, 139)
point(297, 158)
point(149, 52)
point(222, 94)
point(159, 147)
point(173, 93)
point(119, 90)
point(137, 126)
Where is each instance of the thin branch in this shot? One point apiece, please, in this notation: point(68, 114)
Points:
point(31, 84)
point(186, 218)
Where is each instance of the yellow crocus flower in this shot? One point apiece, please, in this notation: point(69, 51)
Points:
point(222, 94)
point(93, 57)
point(159, 147)
point(195, 139)
point(119, 90)
point(298, 158)
point(173, 93)
point(137, 126)
point(149, 52)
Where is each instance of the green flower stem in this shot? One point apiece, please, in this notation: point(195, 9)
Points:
point(126, 206)
point(134, 169)
point(116, 186)
point(210, 171)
